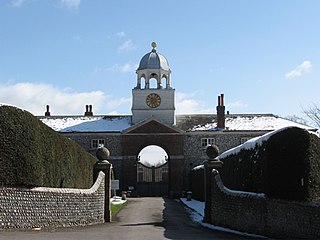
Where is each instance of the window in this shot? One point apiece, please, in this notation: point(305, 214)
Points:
point(244, 139)
point(95, 143)
point(207, 142)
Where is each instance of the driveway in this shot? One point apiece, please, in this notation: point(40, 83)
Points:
point(140, 219)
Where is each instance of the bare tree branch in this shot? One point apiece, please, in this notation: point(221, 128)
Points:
point(313, 113)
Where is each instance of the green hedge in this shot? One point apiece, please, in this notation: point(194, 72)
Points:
point(32, 154)
point(286, 166)
point(197, 183)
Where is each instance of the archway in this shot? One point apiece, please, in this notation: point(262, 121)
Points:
point(152, 172)
point(153, 82)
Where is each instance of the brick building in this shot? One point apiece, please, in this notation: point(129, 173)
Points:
point(153, 123)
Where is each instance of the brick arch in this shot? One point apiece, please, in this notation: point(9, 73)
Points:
point(163, 136)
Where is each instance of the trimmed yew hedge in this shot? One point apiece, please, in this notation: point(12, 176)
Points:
point(286, 166)
point(197, 183)
point(32, 154)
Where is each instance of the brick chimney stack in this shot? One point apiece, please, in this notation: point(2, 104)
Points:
point(47, 113)
point(88, 111)
point(221, 112)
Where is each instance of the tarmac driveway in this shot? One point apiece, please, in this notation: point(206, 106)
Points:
point(141, 219)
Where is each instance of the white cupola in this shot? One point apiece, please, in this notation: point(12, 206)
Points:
point(153, 65)
point(153, 102)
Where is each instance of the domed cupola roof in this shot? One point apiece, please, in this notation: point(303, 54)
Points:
point(154, 60)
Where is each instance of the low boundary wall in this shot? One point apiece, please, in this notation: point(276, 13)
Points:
point(52, 207)
point(254, 213)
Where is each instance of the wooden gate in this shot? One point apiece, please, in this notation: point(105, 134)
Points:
point(152, 181)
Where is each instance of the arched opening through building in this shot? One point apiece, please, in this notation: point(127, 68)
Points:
point(152, 172)
point(153, 156)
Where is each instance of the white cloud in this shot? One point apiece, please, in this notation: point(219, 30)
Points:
point(34, 97)
point(71, 3)
point(116, 103)
point(127, 67)
point(121, 34)
point(127, 46)
point(237, 105)
point(187, 104)
point(17, 3)
point(301, 69)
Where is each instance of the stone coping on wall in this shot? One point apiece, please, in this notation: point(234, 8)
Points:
point(91, 190)
point(234, 193)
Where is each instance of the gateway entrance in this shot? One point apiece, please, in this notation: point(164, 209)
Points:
point(152, 172)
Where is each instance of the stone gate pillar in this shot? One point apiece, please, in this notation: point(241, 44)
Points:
point(209, 165)
point(106, 167)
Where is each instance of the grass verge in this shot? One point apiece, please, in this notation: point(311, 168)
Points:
point(117, 206)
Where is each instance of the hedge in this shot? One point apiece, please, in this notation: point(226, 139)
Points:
point(197, 183)
point(286, 166)
point(32, 154)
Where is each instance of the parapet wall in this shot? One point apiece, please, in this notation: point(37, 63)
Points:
point(254, 213)
point(52, 207)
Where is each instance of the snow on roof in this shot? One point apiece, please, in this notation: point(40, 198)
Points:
point(119, 123)
point(252, 123)
point(88, 124)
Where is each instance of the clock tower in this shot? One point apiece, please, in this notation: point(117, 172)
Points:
point(153, 95)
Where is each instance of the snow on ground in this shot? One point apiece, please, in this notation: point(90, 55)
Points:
point(198, 167)
point(197, 213)
point(262, 123)
point(88, 124)
point(117, 200)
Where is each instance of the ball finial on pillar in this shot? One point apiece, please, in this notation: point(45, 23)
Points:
point(212, 152)
point(103, 154)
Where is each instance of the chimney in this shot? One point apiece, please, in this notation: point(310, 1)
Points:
point(221, 112)
point(88, 111)
point(47, 113)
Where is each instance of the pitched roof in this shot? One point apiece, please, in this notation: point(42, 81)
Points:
point(236, 122)
point(196, 122)
point(152, 125)
point(87, 124)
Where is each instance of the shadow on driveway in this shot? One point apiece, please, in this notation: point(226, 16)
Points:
point(178, 224)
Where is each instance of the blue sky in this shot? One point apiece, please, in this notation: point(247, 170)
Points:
point(264, 55)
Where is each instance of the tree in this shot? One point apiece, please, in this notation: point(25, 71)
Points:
point(297, 119)
point(313, 113)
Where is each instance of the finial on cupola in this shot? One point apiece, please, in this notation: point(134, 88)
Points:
point(154, 46)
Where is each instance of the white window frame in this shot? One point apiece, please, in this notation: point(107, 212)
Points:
point(205, 142)
point(95, 143)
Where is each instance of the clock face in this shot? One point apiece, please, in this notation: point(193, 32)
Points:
point(153, 100)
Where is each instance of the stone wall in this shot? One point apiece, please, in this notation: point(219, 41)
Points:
point(112, 141)
point(254, 213)
point(52, 207)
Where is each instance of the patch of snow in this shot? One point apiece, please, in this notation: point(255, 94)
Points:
point(198, 167)
point(88, 124)
point(117, 200)
point(197, 215)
